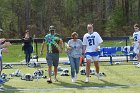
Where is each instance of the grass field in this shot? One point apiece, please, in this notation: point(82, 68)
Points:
point(124, 78)
point(15, 53)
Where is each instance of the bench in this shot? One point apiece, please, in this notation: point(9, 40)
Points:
point(117, 51)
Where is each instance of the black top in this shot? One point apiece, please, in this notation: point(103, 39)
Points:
point(27, 42)
point(27, 45)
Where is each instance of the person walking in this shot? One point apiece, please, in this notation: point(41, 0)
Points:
point(74, 54)
point(91, 47)
point(53, 43)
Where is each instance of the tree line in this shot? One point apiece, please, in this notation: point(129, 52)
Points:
point(110, 17)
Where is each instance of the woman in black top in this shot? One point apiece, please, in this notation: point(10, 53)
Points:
point(27, 47)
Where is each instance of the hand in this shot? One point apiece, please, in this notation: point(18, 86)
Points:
point(97, 49)
point(83, 55)
point(69, 48)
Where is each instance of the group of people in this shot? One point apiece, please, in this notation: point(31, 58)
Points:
point(87, 48)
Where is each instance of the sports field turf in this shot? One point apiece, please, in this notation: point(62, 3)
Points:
point(124, 78)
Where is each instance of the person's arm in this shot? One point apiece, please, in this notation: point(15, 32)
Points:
point(98, 47)
point(84, 45)
point(83, 49)
point(99, 41)
point(61, 45)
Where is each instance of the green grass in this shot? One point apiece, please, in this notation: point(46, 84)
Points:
point(15, 53)
point(126, 76)
point(123, 75)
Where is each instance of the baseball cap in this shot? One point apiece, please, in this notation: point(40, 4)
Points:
point(52, 28)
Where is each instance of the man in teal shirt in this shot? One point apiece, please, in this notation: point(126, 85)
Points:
point(53, 42)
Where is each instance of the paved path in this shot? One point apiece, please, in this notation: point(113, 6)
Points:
point(43, 60)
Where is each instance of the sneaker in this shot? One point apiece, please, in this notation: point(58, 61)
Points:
point(73, 80)
point(138, 65)
point(98, 76)
point(1, 90)
point(56, 80)
point(135, 63)
point(87, 79)
point(49, 81)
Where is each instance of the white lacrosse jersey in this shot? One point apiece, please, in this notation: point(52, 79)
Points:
point(92, 41)
point(136, 36)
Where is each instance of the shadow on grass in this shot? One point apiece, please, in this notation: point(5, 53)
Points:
point(81, 84)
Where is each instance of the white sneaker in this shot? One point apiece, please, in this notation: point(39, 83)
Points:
point(73, 80)
point(138, 65)
point(98, 76)
point(87, 79)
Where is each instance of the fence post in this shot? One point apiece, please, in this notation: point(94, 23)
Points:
point(126, 52)
point(36, 51)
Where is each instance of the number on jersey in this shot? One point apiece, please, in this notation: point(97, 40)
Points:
point(91, 42)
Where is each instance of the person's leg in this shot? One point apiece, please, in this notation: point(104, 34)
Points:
point(49, 62)
point(0, 66)
point(72, 64)
point(26, 56)
point(97, 67)
point(96, 64)
point(138, 55)
point(88, 67)
point(77, 64)
point(29, 57)
point(55, 64)
point(88, 62)
point(50, 71)
point(55, 72)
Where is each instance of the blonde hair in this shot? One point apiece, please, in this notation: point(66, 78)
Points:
point(136, 25)
point(73, 34)
point(89, 25)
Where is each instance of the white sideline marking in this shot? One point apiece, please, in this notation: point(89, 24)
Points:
point(96, 87)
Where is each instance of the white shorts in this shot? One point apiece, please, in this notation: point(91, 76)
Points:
point(136, 50)
point(93, 58)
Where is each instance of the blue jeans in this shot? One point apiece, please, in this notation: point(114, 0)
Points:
point(74, 63)
point(27, 56)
